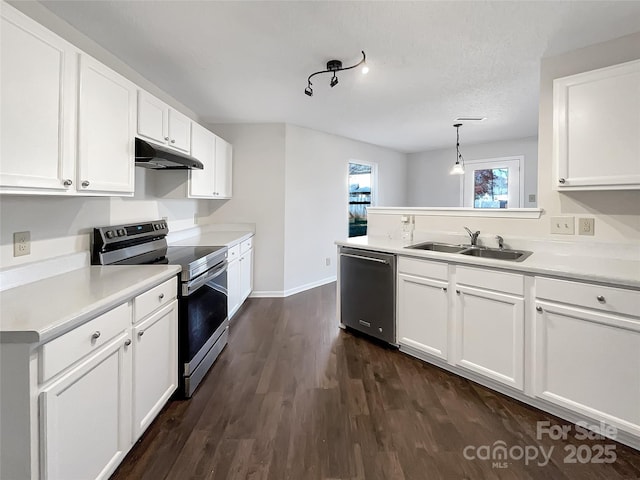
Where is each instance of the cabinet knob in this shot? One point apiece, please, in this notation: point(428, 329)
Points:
point(561, 180)
point(458, 292)
point(173, 141)
point(127, 342)
point(444, 289)
point(538, 309)
point(141, 333)
point(68, 182)
point(166, 138)
point(85, 184)
point(601, 299)
point(161, 296)
point(95, 335)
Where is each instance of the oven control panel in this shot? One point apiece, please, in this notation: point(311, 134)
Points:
point(103, 236)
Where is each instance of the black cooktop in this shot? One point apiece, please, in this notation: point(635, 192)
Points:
point(185, 256)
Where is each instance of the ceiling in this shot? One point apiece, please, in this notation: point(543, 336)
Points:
point(430, 62)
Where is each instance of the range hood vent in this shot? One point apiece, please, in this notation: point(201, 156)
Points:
point(162, 158)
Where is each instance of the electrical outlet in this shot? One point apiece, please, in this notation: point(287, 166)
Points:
point(563, 225)
point(21, 243)
point(585, 226)
point(327, 261)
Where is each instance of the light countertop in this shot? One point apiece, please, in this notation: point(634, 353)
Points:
point(577, 265)
point(40, 311)
point(215, 238)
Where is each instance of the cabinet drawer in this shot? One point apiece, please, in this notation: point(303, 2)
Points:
point(423, 268)
point(609, 299)
point(151, 300)
point(246, 245)
point(491, 280)
point(233, 253)
point(60, 353)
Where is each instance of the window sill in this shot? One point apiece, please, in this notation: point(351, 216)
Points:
point(460, 212)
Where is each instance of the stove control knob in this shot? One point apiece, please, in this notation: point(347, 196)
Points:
point(121, 232)
point(109, 234)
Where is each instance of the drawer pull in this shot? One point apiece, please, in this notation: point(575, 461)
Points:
point(538, 309)
point(444, 289)
point(85, 184)
point(140, 333)
point(127, 342)
point(562, 180)
point(458, 292)
point(166, 138)
point(68, 182)
point(601, 299)
point(161, 296)
point(96, 335)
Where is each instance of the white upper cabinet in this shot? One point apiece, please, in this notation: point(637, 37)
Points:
point(223, 175)
point(68, 121)
point(38, 91)
point(596, 122)
point(160, 123)
point(106, 129)
point(203, 147)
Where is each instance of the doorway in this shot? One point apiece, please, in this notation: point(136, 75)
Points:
point(493, 183)
point(361, 195)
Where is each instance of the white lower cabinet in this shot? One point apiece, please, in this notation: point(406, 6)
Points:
point(588, 359)
point(423, 306)
point(84, 416)
point(155, 365)
point(489, 324)
point(239, 274)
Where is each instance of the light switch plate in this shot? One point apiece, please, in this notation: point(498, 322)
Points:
point(563, 225)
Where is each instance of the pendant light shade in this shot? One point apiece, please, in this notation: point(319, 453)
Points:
point(458, 167)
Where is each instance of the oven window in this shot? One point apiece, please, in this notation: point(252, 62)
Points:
point(201, 313)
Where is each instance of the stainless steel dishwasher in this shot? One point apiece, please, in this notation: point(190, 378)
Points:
point(368, 292)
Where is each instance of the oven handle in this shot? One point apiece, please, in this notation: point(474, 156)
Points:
point(205, 278)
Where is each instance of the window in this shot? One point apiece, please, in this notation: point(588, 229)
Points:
point(492, 183)
point(361, 190)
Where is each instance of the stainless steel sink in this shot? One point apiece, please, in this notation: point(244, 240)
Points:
point(496, 253)
point(438, 247)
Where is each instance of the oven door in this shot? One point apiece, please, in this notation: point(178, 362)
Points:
point(203, 316)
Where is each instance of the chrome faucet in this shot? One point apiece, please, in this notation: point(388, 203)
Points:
point(500, 242)
point(473, 235)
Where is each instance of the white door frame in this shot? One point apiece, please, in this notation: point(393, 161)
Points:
point(497, 160)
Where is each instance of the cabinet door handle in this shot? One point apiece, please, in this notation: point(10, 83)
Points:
point(96, 335)
point(166, 138)
point(161, 296)
point(444, 289)
point(173, 141)
point(458, 292)
point(85, 184)
point(538, 309)
point(68, 182)
point(561, 180)
point(601, 299)
point(127, 342)
point(141, 333)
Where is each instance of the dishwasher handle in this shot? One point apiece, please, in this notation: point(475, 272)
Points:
point(362, 257)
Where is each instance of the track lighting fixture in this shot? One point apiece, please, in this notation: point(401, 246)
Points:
point(458, 168)
point(336, 66)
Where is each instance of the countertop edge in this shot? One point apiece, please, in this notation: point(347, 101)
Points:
point(90, 312)
point(521, 267)
point(197, 239)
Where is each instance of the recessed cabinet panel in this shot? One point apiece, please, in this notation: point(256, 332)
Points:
point(37, 77)
point(490, 335)
point(152, 118)
point(179, 131)
point(223, 175)
point(423, 314)
point(203, 147)
point(246, 274)
point(597, 129)
point(589, 362)
point(106, 129)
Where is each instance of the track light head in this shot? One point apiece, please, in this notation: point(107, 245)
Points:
point(334, 81)
point(309, 90)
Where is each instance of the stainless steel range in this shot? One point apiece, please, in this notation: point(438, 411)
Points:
point(203, 324)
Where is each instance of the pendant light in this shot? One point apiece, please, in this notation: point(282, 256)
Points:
point(458, 168)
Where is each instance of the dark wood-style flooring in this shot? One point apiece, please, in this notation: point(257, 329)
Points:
point(294, 397)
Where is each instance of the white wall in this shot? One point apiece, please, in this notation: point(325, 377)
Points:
point(258, 196)
point(316, 198)
point(616, 213)
point(430, 185)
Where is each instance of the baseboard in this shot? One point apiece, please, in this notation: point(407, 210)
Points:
point(291, 291)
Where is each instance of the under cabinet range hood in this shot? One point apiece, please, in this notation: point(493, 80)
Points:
point(162, 158)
